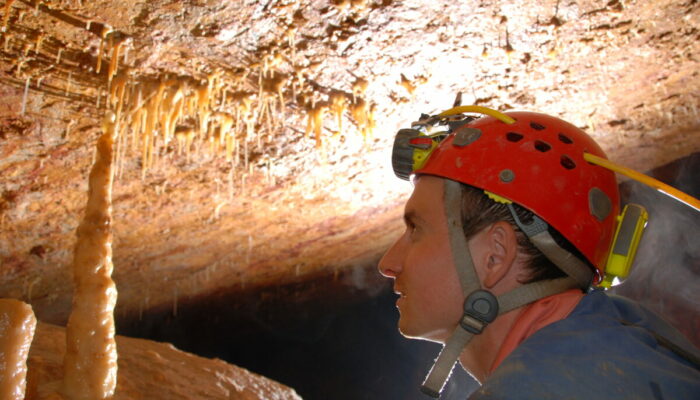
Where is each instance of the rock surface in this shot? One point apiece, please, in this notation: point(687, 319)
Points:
point(152, 370)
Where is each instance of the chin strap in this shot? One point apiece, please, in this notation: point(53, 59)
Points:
point(481, 307)
point(468, 327)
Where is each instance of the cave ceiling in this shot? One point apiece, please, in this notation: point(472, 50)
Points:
point(291, 179)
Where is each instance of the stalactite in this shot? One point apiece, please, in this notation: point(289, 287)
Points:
point(226, 136)
point(297, 80)
point(184, 136)
point(6, 17)
point(314, 121)
point(171, 108)
point(147, 135)
point(116, 95)
point(105, 31)
point(37, 43)
point(26, 93)
point(6, 44)
point(127, 47)
point(290, 34)
point(407, 84)
point(273, 86)
point(358, 88)
point(99, 97)
point(114, 61)
point(363, 115)
point(203, 106)
point(338, 105)
point(68, 82)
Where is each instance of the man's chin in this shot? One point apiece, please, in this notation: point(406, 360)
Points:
point(413, 333)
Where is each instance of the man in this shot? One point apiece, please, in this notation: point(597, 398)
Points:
point(509, 225)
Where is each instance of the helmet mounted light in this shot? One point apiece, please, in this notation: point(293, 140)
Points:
point(413, 147)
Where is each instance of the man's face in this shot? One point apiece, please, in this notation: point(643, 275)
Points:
point(421, 264)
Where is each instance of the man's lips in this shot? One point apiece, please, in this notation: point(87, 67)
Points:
point(401, 295)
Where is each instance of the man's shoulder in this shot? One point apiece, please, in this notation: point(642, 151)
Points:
point(606, 348)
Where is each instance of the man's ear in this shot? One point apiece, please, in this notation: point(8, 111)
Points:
point(502, 250)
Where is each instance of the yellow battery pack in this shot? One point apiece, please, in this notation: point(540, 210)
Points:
point(631, 224)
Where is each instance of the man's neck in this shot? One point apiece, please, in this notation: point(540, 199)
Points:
point(478, 357)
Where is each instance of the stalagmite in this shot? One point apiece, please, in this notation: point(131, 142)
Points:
point(90, 363)
point(17, 324)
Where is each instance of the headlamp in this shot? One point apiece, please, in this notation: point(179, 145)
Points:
point(413, 146)
point(411, 150)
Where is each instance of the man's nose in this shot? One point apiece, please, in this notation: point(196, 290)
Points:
point(391, 263)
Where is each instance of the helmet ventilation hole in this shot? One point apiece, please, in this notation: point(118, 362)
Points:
point(536, 126)
point(565, 139)
point(513, 137)
point(542, 146)
point(567, 163)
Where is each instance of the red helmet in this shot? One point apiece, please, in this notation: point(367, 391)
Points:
point(532, 159)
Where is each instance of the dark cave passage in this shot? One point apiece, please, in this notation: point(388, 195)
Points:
point(347, 347)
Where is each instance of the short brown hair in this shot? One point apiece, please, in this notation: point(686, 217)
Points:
point(479, 211)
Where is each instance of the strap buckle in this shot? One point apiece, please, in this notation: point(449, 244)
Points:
point(480, 309)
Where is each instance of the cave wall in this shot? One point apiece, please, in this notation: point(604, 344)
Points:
point(310, 93)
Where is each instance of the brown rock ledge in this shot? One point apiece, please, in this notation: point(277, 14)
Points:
point(152, 370)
